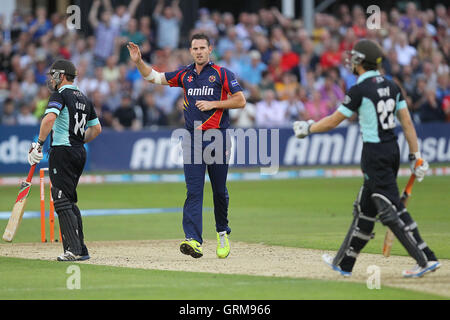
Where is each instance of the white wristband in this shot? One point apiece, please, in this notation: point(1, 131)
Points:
point(155, 77)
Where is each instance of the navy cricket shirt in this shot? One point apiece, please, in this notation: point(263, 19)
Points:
point(214, 83)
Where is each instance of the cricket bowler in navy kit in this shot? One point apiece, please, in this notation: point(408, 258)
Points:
point(209, 91)
point(377, 101)
point(71, 119)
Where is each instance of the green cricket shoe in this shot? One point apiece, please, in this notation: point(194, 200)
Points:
point(191, 248)
point(223, 245)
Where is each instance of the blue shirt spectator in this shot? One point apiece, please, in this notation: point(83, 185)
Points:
point(168, 22)
point(251, 72)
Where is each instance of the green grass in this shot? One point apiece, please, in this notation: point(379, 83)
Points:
point(308, 213)
point(33, 279)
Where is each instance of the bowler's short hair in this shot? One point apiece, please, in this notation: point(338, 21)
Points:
point(200, 36)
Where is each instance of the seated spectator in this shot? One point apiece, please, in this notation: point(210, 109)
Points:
point(29, 87)
point(331, 57)
point(295, 109)
point(226, 23)
point(429, 73)
point(404, 51)
point(251, 72)
point(152, 115)
point(446, 108)
point(40, 102)
point(111, 71)
point(133, 74)
point(359, 22)
point(426, 48)
point(9, 116)
point(230, 62)
point(289, 59)
point(205, 24)
point(331, 91)
point(301, 35)
point(104, 113)
point(245, 117)
point(443, 87)
point(270, 113)
point(98, 83)
point(431, 110)
point(410, 20)
point(125, 117)
point(408, 81)
point(418, 97)
point(227, 43)
point(6, 54)
point(316, 107)
point(274, 67)
point(26, 117)
point(439, 64)
point(40, 71)
point(176, 117)
point(165, 98)
point(286, 87)
point(115, 96)
point(348, 41)
point(16, 93)
point(4, 92)
point(267, 81)
point(262, 44)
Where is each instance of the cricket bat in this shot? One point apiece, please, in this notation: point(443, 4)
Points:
point(19, 208)
point(389, 237)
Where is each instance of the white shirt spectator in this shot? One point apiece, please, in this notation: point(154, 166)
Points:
point(244, 118)
point(270, 113)
point(30, 90)
point(97, 85)
point(165, 98)
point(26, 119)
point(405, 54)
point(120, 22)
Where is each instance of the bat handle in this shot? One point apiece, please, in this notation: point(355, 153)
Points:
point(408, 188)
point(31, 173)
point(418, 163)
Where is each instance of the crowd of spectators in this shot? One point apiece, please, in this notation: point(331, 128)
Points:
point(287, 74)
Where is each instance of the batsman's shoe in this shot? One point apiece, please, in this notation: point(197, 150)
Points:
point(223, 245)
point(418, 271)
point(191, 248)
point(69, 256)
point(329, 261)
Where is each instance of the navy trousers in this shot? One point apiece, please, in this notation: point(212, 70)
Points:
point(200, 156)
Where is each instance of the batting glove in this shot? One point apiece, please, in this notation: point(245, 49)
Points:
point(35, 154)
point(302, 128)
point(418, 170)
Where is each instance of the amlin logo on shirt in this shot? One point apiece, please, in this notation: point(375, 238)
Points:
point(204, 91)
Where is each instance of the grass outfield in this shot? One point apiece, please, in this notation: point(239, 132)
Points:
point(306, 213)
point(47, 280)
